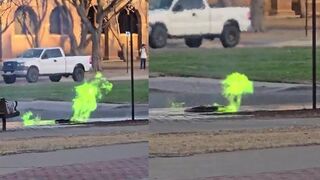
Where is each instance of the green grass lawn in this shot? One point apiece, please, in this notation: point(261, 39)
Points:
point(263, 64)
point(64, 91)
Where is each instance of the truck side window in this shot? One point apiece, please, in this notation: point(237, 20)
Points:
point(216, 3)
point(53, 53)
point(189, 4)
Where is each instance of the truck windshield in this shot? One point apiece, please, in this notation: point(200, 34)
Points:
point(31, 53)
point(160, 4)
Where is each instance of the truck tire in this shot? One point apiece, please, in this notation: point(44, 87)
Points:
point(158, 37)
point(32, 75)
point(55, 78)
point(9, 79)
point(193, 42)
point(78, 74)
point(230, 36)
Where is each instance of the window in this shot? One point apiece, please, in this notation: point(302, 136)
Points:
point(124, 23)
point(60, 21)
point(92, 13)
point(217, 3)
point(25, 20)
point(189, 4)
point(160, 4)
point(31, 53)
point(52, 53)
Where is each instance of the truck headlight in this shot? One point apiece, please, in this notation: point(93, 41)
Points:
point(20, 64)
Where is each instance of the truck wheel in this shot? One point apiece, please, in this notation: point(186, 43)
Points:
point(55, 78)
point(193, 42)
point(230, 36)
point(158, 37)
point(9, 79)
point(32, 75)
point(78, 74)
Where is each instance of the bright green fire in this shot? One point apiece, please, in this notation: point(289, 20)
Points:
point(84, 103)
point(30, 120)
point(234, 87)
point(87, 96)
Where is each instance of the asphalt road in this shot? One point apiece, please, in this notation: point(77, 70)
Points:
point(201, 91)
point(63, 110)
point(270, 38)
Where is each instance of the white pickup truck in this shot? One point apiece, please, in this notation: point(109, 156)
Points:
point(195, 20)
point(50, 62)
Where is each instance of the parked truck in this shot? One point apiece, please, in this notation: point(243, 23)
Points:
point(195, 20)
point(50, 62)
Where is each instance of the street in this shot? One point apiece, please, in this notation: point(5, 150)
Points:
point(202, 91)
point(63, 110)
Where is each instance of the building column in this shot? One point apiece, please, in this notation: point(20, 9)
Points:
point(303, 10)
point(283, 8)
point(106, 44)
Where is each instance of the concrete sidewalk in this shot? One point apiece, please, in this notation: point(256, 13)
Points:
point(67, 130)
point(123, 169)
point(238, 164)
point(78, 163)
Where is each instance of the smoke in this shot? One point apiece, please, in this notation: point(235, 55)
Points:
point(30, 120)
point(87, 96)
point(233, 88)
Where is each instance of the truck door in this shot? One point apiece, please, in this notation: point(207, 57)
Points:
point(190, 17)
point(53, 62)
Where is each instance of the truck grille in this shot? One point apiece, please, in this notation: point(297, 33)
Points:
point(9, 66)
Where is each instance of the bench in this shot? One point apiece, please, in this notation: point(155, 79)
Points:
point(4, 114)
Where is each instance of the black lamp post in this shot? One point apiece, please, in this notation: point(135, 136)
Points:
point(314, 54)
point(131, 10)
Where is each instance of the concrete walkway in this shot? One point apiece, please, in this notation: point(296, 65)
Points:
point(64, 131)
point(14, 163)
point(211, 124)
point(239, 163)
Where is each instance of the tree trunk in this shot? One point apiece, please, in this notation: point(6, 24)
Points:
point(257, 15)
point(96, 55)
point(36, 40)
point(83, 38)
point(74, 51)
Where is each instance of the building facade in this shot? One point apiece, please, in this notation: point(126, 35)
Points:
point(35, 25)
point(283, 8)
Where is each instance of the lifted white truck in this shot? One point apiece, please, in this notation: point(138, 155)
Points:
point(195, 20)
point(50, 62)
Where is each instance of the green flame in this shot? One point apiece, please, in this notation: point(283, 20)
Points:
point(234, 87)
point(84, 103)
point(87, 96)
point(30, 120)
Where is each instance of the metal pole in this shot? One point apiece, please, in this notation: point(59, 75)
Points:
point(132, 69)
point(1, 39)
point(306, 27)
point(127, 57)
point(314, 53)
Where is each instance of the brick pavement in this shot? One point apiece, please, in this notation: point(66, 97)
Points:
point(124, 169)
point(304, 174)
